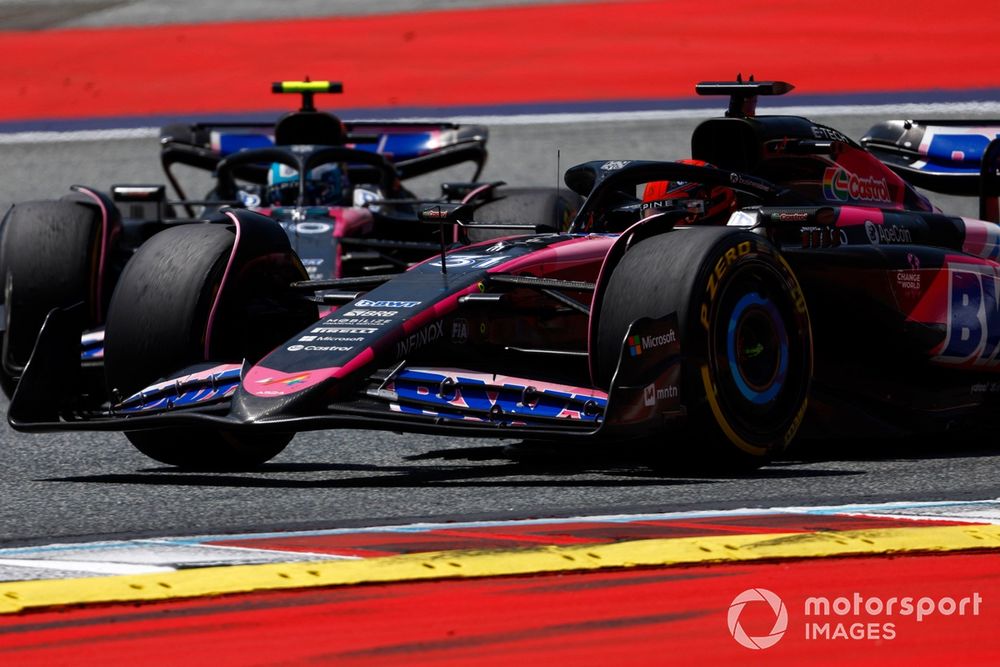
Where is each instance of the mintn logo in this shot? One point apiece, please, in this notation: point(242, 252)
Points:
point(636, 344)
point(841, 185)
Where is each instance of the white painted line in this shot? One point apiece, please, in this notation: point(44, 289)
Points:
point(84, 566)
point(79, 135)
point(822, 510)
point(886, 110)
point(894, 111)
point(250, 552)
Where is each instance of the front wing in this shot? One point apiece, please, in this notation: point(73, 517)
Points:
point(645, 396)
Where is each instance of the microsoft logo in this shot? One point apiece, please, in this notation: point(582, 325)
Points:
point(635, 346)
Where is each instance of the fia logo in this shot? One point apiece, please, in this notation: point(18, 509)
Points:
point(460, 330)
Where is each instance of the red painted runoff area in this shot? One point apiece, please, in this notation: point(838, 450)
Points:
point(919, 610)
point(489, 56)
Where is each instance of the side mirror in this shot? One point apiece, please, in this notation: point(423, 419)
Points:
point(445, 213)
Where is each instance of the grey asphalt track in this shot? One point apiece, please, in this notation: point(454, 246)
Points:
point(34, 15)
point(67, 487)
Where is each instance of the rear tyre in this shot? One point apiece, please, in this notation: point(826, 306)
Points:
point(49, 256)
point(161, 317)
point(524, 206)
point(744, 335)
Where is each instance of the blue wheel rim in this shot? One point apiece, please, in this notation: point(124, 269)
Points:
point(753, 304)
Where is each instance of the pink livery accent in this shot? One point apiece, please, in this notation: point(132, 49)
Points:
point(200, 375)
point(102, 256)
point(222, 284)
point(981, 238)
point(268, 383)
point(475, 193)
point(851, 216)
point(349, 221)
point(563, 256)
point(469, 197)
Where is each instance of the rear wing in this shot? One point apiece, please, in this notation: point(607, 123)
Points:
point(953, 157)
point(414, 148)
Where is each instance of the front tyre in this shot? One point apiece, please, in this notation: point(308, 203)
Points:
point(49, 258)
point(187, 298)
point(745, 339)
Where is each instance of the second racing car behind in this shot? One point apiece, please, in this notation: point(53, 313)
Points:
point(336, 189)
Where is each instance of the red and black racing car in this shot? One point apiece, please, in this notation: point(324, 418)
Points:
point(786, 278)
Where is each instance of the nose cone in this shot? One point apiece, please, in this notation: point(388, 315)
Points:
point(266, 394)
point(267, 382)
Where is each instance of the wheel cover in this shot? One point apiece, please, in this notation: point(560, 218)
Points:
point(759, 356)
point(757, 346)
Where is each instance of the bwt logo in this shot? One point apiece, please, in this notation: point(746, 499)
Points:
point(973, 331)
point(780, 618)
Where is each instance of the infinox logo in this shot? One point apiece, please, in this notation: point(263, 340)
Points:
point(418, 339)
point(780, 618)
point(842, 185)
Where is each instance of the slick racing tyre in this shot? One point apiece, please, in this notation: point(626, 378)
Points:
point(524, 206)
point(184, 291)
point(49, 254)
point(745, 340)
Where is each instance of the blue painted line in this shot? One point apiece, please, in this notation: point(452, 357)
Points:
point(620, 519)
point(611, 106)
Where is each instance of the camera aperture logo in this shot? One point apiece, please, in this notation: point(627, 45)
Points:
point(780, 618)
point(847, 617)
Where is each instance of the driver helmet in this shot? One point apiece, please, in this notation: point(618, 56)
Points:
point(706, 204)
point(324, 185)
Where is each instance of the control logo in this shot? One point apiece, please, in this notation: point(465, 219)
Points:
point(780, 618)
point(841, 185)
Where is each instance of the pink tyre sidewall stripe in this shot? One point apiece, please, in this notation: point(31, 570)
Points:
point(225, 276)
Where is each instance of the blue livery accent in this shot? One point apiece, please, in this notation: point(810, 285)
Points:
point(395, 145)
point(193, 391)
point(956, 153)
point(237, 141)
point(973, 304)
point(92, 345)
point(472, 398)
